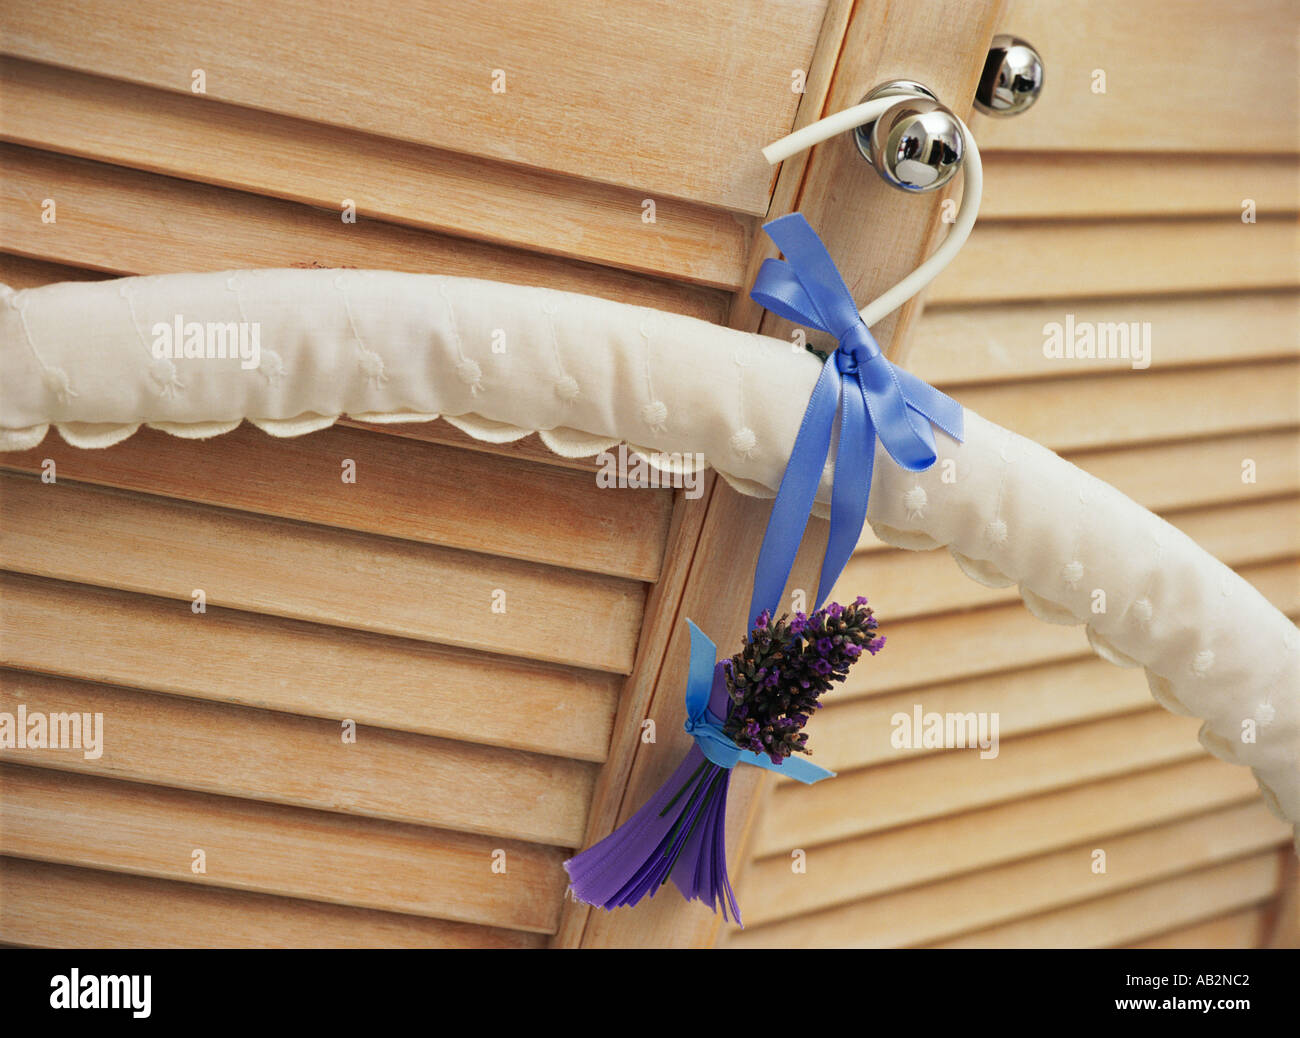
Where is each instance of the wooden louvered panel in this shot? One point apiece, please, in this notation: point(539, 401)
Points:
point(300, 668)
point(866, 866)
point(876, 798)
point(1121, 258)
point(405, 489)
point(1169, 476)
point(904, 583)
point(159, 547)
point(954, 345)
point(984, 898)
point(1004, 637)
point(1132, 915)
point(1107, 410)
point(266, 848)
point(857, 733)
point(1165, 59)
point(1051, 185)
point(1245, 928)
point(370, 73)
point(161, 132)
point(304, 761)
point(128, 222)
point(58, 906)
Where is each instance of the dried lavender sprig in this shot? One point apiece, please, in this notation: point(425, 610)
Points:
point(776, 680)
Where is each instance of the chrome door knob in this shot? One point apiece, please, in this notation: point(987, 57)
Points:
point(1012, 79)
point(917, 145)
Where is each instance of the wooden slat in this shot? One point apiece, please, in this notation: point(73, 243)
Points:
point(857, 733)
point(968, 344)
point(994, 896)
point(302, 761)
point(1124, 258)
point(127, 222)
point(1132, 915)
point(867, 866)
point(1168, 60)
point(1245, 928)
point(366, 863)
point(1004, 637)
point(111, 539)
point(232, 657)
point(902, 584)
point(403, 489)
point(1168, 476)
point(19, 272)
point(163, 132)
point(57, 906)
point(1106, 410)
point(949, 783)
point(427, 77)
point(1057, 185)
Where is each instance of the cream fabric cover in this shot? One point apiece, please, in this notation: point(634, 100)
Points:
point(501, 361)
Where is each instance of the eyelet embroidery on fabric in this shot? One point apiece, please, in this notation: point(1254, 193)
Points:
point(370, 363)
point(467, 369)
point(270, 365)
point(655, 412)
point(565, 385)
point(915, 501)
point(996, 530)
point(743, 441)
point(162, 372)
point(54, 379)
point(1142, 611)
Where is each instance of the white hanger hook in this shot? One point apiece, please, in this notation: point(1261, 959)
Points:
point(973, 188)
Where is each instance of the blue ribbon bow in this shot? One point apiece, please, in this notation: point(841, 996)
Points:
point(873, 397)
point(705, 727)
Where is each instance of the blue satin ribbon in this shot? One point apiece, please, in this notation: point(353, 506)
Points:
point(873, 398)
point(705, 727)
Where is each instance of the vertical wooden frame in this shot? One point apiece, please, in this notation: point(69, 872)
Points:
point(877, 236)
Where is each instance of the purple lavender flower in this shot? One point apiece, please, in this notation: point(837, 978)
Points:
point(775, 682)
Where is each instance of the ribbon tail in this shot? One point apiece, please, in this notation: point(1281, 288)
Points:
point(906, 436)
point(794, 499)
point(797, 768)
point(853, 463)
point(699, 677)
point(931, 404)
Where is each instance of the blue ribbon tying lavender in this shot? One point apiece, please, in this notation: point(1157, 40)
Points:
point(705, 727)
point(873, 397)
point(680, 831)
